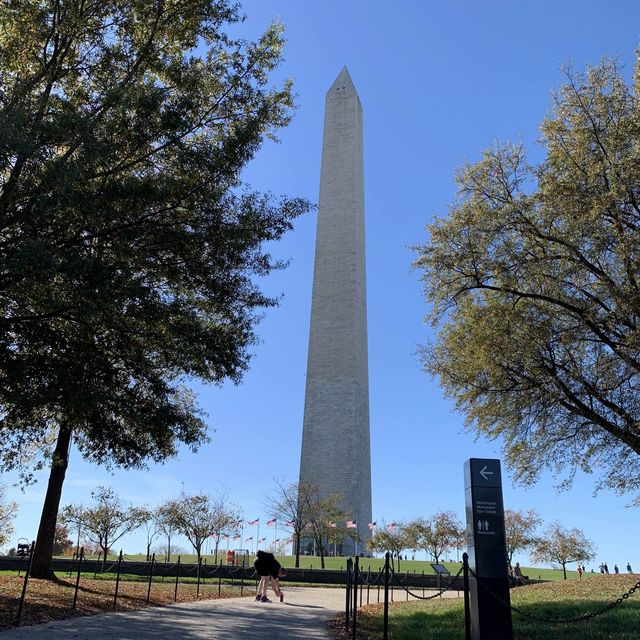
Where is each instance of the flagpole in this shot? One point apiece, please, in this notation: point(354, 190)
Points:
point(275, 535)
point(257, 536)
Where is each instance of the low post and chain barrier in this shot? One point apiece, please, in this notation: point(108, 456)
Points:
point(347, 608)
point(115, 596)
point(175, 593)
point(75, 594)
point(24, 584)
point(153, 561)
point(356, 576)
point(582, 618)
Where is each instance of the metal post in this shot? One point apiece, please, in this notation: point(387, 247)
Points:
point(467, 608)
point(175, 593)
point(24, 584)
point(75, 595)
point(348, 595)
point(153, 561)
point(385, 624)
point(356, 576)
point(115, 597)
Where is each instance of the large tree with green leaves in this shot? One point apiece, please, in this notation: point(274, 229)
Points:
point(534, 282)
point(129, 246)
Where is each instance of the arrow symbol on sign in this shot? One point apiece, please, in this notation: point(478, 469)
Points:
point(484, 473)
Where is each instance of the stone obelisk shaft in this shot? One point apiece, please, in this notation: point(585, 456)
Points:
point(335, 440)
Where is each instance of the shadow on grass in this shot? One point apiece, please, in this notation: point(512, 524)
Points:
point(445, 621)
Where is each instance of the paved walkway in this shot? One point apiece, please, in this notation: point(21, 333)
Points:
point(303, 615)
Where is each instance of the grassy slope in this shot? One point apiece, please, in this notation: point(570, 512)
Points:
point(375, 564)
point(443, 619)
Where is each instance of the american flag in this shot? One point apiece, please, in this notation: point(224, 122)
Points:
point(262, 540)
point(237, 537)
point(392, 527)
point(276, 541)
point(372, 526)
point(351, 524)
point(271, 523)
point(289, 524)
point(253, 521)
point(248, 539)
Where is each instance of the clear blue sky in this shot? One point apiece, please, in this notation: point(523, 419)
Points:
point(439, 82)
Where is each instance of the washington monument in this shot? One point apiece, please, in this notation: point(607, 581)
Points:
point(335, 439)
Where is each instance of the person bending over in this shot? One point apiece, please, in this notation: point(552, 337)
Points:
point(269, 570)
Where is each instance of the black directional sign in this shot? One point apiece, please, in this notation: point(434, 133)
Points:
point(487, 550)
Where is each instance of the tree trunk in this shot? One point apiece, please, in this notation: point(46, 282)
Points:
point(43, 552)
point(297, 550)
point(564, 569)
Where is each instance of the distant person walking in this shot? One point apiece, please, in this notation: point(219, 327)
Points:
point(606, 568)
point(579, 571)
point(629, 568)
point(616, 569)
point(269, 570)
point(517, 574)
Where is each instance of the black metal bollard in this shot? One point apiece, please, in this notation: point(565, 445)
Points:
point(467, 608)
point(115, 595)
point(356, 576)
point(348, 593)
point(24, 584)
point(153, 561)
point(75, 595)
point(175, 593)
point(385, 623)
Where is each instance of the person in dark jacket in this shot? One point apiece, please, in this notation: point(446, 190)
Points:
point(269, 570)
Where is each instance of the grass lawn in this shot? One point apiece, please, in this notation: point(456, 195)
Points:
point(375, 564)
point(444, 619)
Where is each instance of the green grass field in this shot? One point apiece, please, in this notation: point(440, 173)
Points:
point(444, 619)
point(375, 564)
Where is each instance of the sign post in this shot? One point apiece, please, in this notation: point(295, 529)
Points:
point(487, 550)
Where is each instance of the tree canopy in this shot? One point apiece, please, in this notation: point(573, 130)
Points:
point(435, 535)
point(563, 546)
point(534, 283)
point(106, 521)
point(129, 247)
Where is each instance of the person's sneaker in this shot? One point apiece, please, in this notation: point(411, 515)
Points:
point(281, 596)
point(264, 599)
point(258, 597)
